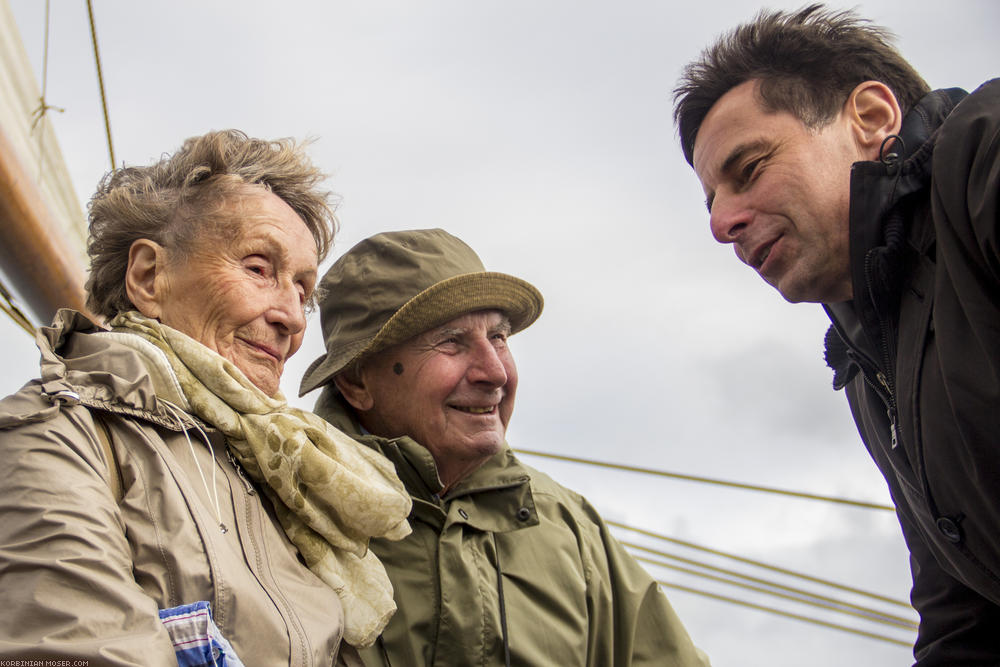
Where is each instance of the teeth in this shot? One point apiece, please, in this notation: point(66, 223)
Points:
point(476, 411)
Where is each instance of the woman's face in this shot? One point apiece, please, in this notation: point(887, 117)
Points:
point(243, 294)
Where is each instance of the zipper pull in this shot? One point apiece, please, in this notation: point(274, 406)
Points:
point(239, 472)
point(892, 428)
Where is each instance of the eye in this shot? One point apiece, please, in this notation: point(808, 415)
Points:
point(305, 297)
point(750, 170)
point(448, 344)
point(258, 265)
point(313, 295)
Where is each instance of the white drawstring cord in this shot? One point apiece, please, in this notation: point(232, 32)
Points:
point(213, 492)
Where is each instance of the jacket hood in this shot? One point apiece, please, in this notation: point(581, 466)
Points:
point(84, 363)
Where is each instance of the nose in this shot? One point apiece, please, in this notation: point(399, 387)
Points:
point(729, 217)
point(287, 310)
point(487, 365)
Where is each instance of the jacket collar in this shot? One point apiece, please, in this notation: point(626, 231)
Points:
point(84, 363)
point(879, 192)
point(877, 187)
point(493, 494)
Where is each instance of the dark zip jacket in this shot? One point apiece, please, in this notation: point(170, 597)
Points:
point(918, 351)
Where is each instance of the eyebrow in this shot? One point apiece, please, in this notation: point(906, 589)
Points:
point(735, 157)
point(503, 326)
point(447, 331)
point(280, 253)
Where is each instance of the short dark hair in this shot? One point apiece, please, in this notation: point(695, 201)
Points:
point(807, 63)
point(178, 198)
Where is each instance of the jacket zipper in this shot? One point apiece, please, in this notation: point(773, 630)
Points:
point(884, 377)
point(239, 473)
point(254, 547)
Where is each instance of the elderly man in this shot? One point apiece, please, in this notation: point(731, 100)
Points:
point(504, 566)
point(840, 178)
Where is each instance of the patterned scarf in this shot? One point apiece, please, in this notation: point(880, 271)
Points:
point(330, 493)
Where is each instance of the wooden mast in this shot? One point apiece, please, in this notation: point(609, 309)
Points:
point(34, 255)
point(42, 228)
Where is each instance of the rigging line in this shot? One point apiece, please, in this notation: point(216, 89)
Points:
point(100, 82)
point(748, 577)
point(45, 53)
point(724, 570)
point(798, 595)
point(43, 105)
point(767, 566)
point(709, 480)
point(11, 309)
point(786, 614)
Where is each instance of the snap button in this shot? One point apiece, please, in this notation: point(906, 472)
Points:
point(523, 514)
point(462, 513)
point(949, 529)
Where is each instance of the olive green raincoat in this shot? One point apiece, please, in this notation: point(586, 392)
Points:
point(509, 551)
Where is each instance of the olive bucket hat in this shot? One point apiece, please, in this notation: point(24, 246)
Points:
point(393, 286)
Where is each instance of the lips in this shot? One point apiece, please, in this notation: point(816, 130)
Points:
point(759, 255)
point(474, 410)
point(266, 349)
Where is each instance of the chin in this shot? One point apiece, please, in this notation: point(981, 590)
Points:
point(269, 386)
point(795, 293)
point(490, 447)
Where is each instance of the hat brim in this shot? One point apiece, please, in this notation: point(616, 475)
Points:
point(442, 302)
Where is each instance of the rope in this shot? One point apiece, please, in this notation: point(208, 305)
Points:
point(786, 614)
point(43, 106)
point(708, 480)
point(10, 308)
point(757, 563)
point(100, 82)
point(794, 594)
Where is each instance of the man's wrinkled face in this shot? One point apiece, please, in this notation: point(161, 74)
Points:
point(780, 193)
point(451, 389)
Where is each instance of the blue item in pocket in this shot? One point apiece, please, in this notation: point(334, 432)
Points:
point(197, 640)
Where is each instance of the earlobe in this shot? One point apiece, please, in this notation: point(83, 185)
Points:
point(355, 392)
point(144, 283)
point(874, 114)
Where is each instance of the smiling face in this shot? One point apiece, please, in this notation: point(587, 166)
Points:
point(243, 295)
point(780, 193)
point(451, 389)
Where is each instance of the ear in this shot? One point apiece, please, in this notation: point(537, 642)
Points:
point(144, 277)
point(354, 390)
point(874, 114)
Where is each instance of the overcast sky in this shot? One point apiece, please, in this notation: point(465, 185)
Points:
point(541, 134)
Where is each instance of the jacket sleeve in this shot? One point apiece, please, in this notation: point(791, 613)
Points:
point(65, 561)
point(966, 187)
point(632, 619)
point(957, 625)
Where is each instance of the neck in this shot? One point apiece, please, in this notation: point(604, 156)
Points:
point(453, 473)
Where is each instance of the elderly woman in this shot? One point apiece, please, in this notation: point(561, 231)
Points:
point(158, 498)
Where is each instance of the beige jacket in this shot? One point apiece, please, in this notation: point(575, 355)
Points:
point(82, 575)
